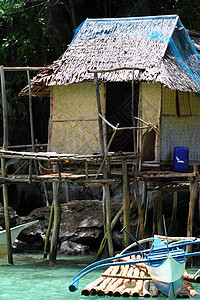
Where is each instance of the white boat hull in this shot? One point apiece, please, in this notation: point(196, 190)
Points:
point(168, 277)
point(15, 231)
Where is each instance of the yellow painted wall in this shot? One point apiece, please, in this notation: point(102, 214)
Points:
point(75, 118)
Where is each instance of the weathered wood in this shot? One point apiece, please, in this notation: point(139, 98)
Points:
point(146, 287)
point(126, 202)
point(194, 189)
point(108, 220)
point(159, 212)
point(48, 230)
point(113, 69)
point(107, 149)
point(174, 211)
point(129, 277)
point(25, 68)
point(103, 242)
point(3, 167)
point(57, 218)
point(106, 187)
point(155, 208)
point(91, 288)
point(30, 170)
point(103, 285)
point(191, 278)
point(140, 212)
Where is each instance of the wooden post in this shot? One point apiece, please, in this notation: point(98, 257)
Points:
point(140, 212)
point(126, 201)
point(174, 211)
point(48, 231)
point(3, 167)
point(194, 189)
point(57, 218)
point(132, 112)
point(159, 212)
point(106, 193)
point(155, 205)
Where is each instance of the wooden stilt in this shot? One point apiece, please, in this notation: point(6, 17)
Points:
point(174, 211)
point(194, 189)
point(108, 220)
point(140, 212)
point(104, 240)
point(159, 212)
point(3, 167)
point(57, 218)
point(126, 201)
point(48, 231)
point(155, 205)
point(105, 175)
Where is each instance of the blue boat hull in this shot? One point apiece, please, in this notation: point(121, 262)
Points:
point(171, 289)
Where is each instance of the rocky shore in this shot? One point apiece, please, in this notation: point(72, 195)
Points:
point(81, 228)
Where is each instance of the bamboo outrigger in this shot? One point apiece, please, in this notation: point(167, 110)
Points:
point(132, 274)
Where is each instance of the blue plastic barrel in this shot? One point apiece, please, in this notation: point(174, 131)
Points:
point(181, 159)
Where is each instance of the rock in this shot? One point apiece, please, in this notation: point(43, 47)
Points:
point(70, 248)
point(81, 223)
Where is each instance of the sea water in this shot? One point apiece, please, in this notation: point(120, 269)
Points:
point(34, 278)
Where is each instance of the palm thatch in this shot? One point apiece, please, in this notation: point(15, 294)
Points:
point(148, 45)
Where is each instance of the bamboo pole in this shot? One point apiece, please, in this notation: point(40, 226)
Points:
point(191, 278)
point(122, 283)
point(104, 240)
point(155, 204)
point(126, 202)
point(3, 167)
point(146, 287)
point(48, 231)
point(106, 187)
point(57, 218)
point(194, 189)
point(174, 211)
point(159, 212)
point(103, 285)
point(92, 287)
point(140, 212)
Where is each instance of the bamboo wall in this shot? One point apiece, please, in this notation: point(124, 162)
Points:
point(177, 115)
point(74, 126)
point(180, 124)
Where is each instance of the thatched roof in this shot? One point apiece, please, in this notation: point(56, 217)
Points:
point(158, 48)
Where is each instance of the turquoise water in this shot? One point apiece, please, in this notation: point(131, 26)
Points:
point(32, 277)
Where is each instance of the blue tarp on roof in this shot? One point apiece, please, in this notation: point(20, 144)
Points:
point(168, 31)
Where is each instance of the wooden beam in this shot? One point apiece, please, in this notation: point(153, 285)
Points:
point(12, 69)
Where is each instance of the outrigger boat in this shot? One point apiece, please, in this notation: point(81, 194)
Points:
point(15, 231)
point(165, 263)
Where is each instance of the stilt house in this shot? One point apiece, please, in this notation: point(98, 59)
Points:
point(147, 67)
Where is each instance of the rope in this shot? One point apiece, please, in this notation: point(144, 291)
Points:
point(46, 169)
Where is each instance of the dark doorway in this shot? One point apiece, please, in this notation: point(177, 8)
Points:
point(118, 110)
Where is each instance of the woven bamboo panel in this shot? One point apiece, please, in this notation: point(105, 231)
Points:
point(168, 102)
point(180, 132)
point(195, 104)
point(74, 118)
point(75, 137)
point(151, 102)
point(184, 103)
